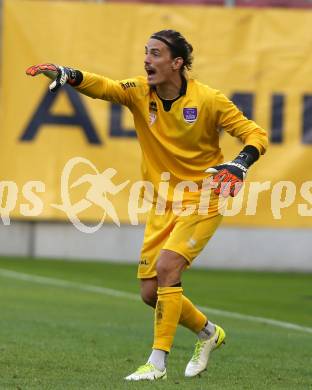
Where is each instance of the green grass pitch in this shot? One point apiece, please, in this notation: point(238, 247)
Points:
point(65, 337)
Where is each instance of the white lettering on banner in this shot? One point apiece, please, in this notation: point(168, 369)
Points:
point(279, 202)
point(101, 189)
point(9, 195)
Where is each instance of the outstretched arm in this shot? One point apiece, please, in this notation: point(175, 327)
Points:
point(90, 84)
point(59, 74)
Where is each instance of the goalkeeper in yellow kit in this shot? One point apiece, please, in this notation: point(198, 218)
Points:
point(177, 120)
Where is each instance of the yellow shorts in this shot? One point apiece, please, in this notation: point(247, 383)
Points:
point(186, 235)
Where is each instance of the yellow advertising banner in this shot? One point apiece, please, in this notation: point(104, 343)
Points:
point(54, 144)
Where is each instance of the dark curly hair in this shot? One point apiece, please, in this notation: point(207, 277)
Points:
point(178, 46)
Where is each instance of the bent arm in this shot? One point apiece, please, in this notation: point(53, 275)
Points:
point(232, 120)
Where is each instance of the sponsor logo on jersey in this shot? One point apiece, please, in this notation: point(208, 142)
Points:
point(128, 84)
point(190, 114)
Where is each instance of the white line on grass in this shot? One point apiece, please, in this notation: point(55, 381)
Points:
point(123, 294)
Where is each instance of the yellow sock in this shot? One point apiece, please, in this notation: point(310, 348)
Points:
point(167, 314)
point(191, 317)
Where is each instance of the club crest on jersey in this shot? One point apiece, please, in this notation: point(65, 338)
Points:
point(190, 114)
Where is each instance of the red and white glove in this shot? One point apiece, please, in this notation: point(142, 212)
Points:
point(59, 74)
point(228, 178)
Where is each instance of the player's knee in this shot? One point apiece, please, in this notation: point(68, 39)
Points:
point(163, 268)
point(170, 266)
point(167, 275)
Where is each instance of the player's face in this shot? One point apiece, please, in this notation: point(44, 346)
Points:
point(158, 63)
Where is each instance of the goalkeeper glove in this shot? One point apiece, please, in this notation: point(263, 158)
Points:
point(59, 74)
point(228, 177)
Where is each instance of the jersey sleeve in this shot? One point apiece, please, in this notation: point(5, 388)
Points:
point(100, 87)
point(232, 120)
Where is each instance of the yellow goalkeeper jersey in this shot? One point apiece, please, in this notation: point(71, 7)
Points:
point(183, 141)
